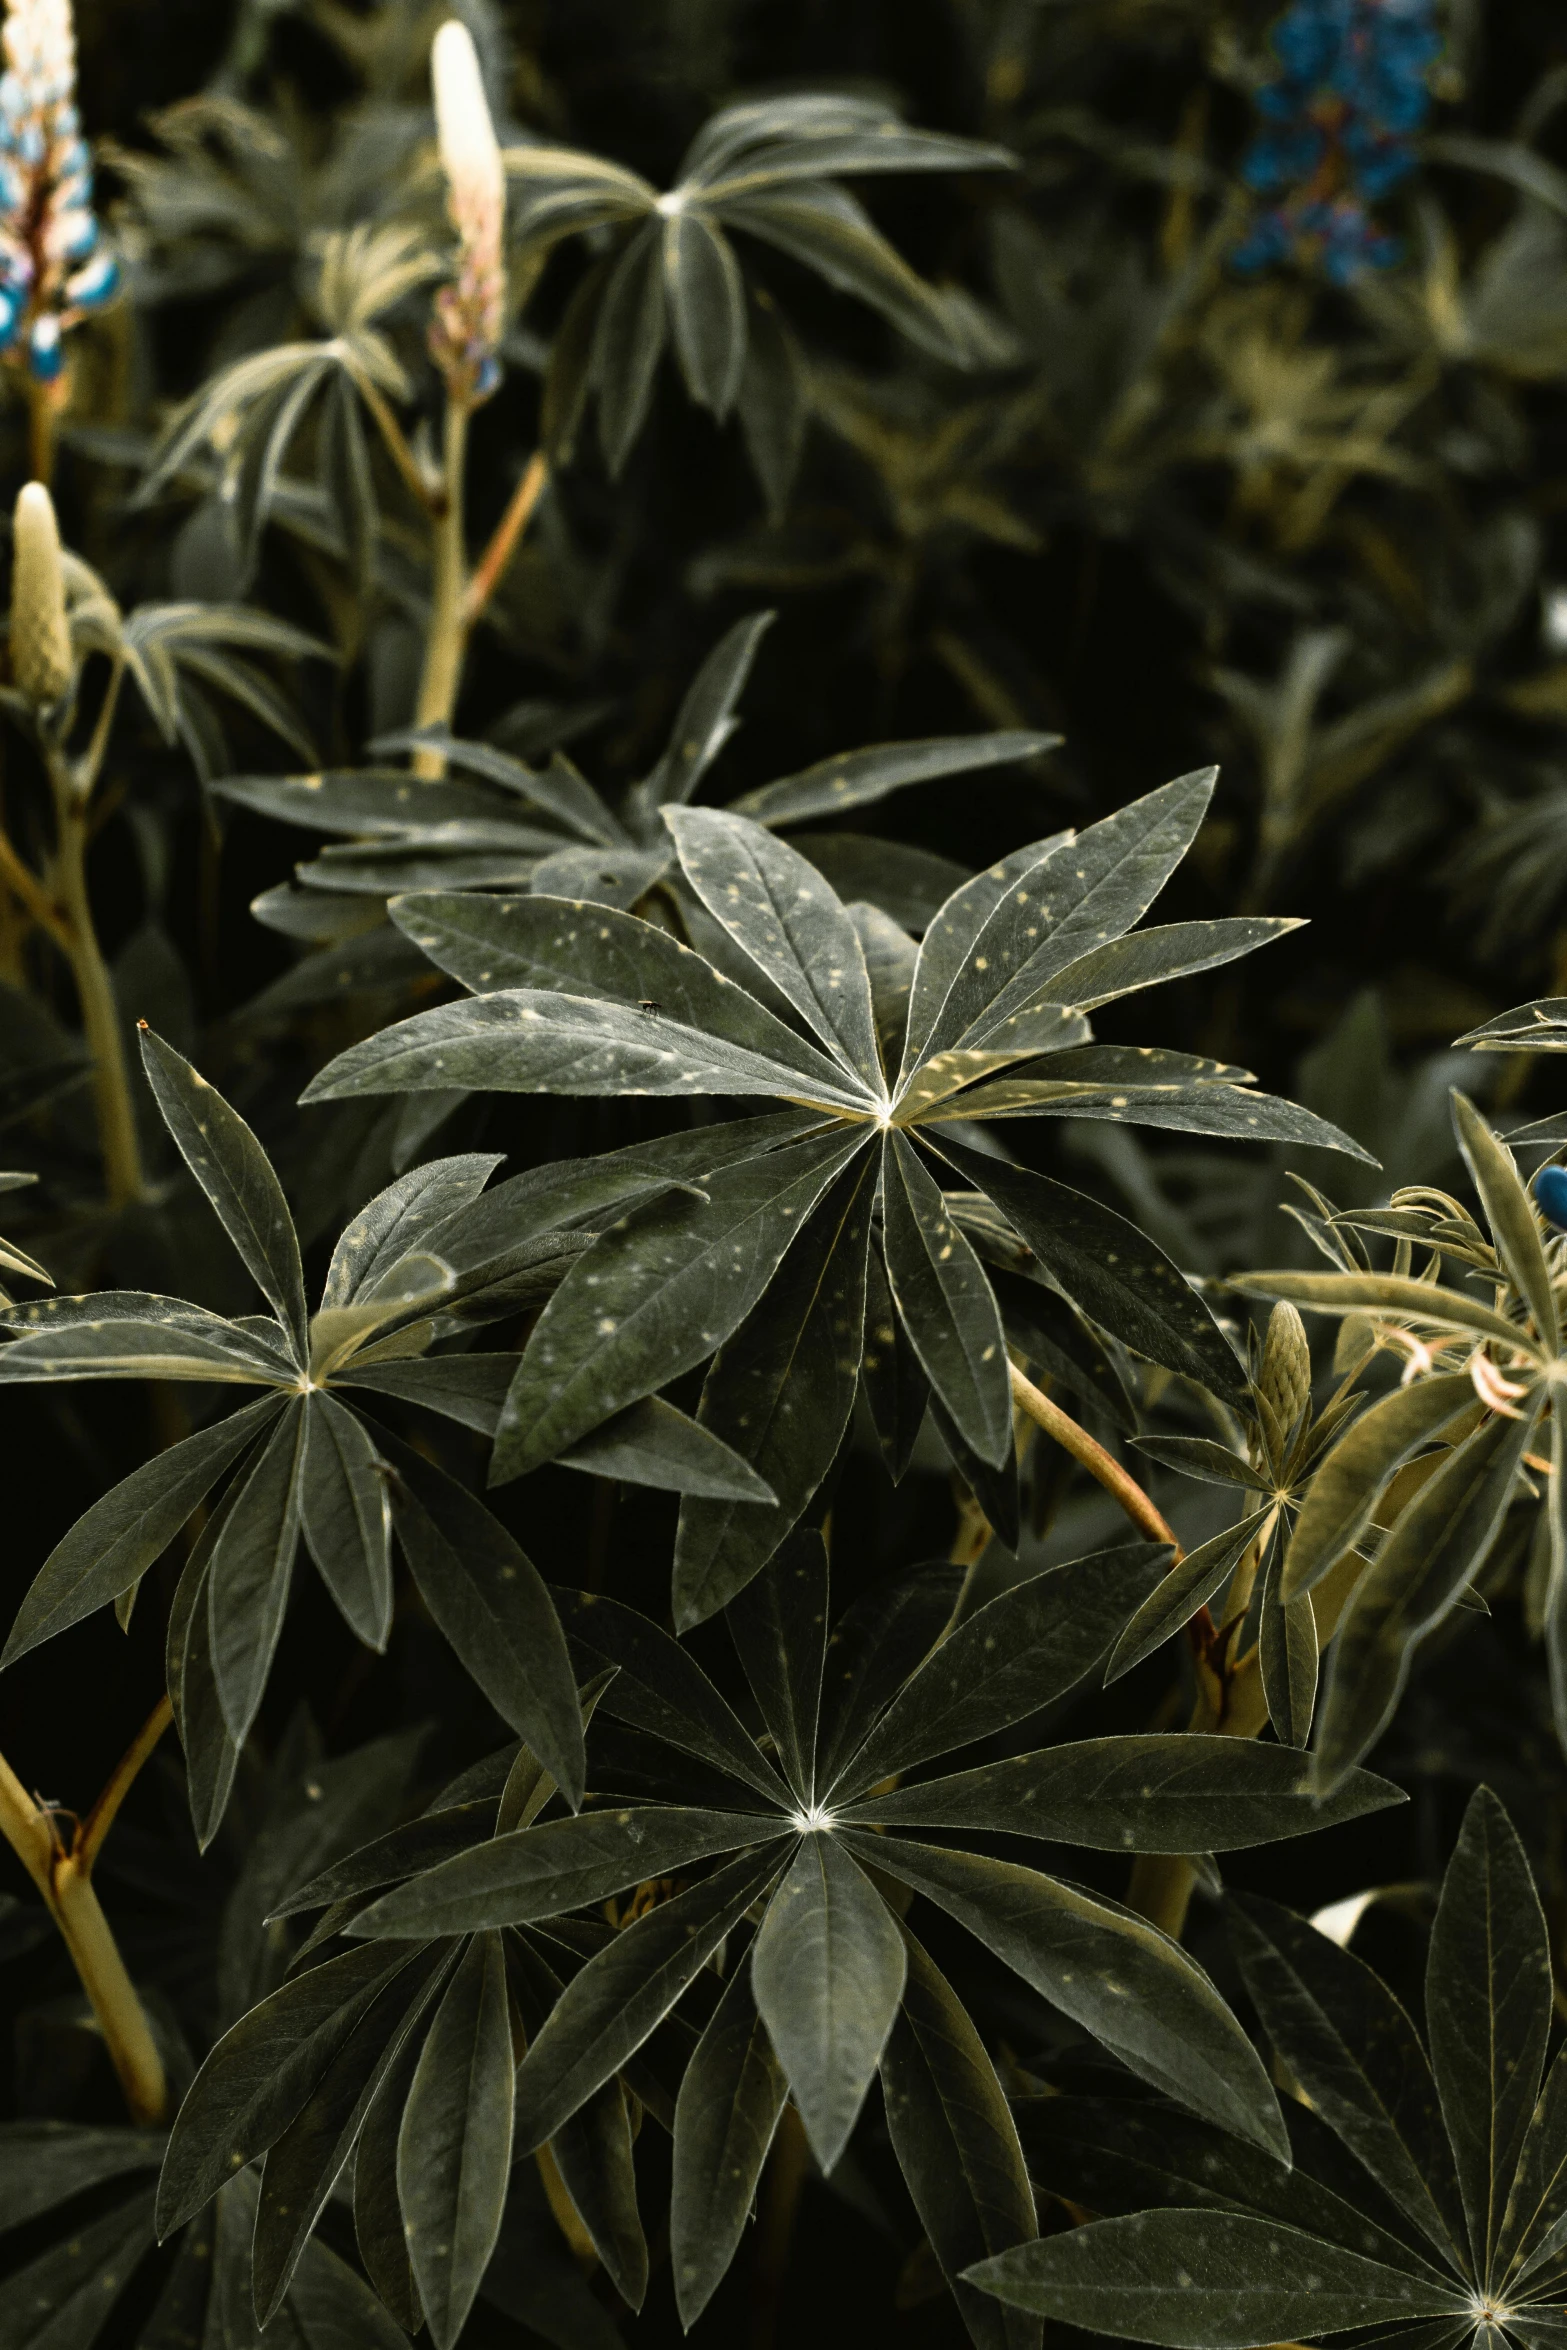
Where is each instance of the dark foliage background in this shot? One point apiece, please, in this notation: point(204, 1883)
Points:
point(1316, 535)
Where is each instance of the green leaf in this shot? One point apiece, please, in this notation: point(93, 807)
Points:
point(779, 1628)
point(957, 2145)
point(703, 724)
point(113, 1543)
point(211, 1756)
point(1112, 1272)
point(330, 2305)
point(827, 1968)
point(557, 1865)
point(1357, 2057)
point(946, 1304)
point(667, 1285)
point(346, 1515)
point(1201, 1457)
point(490, 1601)
point(706, 296)
point(470, 1388)
point(261, 2072)
point(896, 1387)
point(1435, 1549)
point(595, 2156)
point(731, 2096)
point(1207, 2280)
point(598, 952)
point(779, 1393)
point(1383, 1293)
point(772, 402)
point(1146, 958)
point(625, 1991)
point(884, 1638)
point(1021, 1651)
point(403, 1852)
point(304, 2164)
point(950, 935)
point(237, 1176)
point(1536, 2202)
point(790, 923)
point(251, 1568)
point(1288, 1657)
point(1048, 1089)
point(856, 778)
point(1078, 896)
point(1114, 1974)
point(379, 2230)
point(1123, 2154)
point(1515, 1226)
point(125, 1335)
point(1175, 1600)
point(454, 2147)
point(44, 2163)
point(1342, 1498)
point(660, 1688)
point(61, 2299)
point(522, 1040)
point(1167, 1791)
point(829, 231)
point(400, 1221)
point(651, 1443)
point(628, 342)
point(1488, 2012)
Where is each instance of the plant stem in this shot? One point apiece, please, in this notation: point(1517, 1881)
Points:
point(63, 1875)
point(43, 409)
point(566, 2216)
point(491, 567)
point(448, 638)
point(1083, 1447)
point(94, 1828)
point(95, 992)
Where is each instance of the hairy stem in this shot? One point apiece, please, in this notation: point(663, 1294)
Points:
point(101, 1021)
point(491, 566)
point(63, 1876)
point(448, 638)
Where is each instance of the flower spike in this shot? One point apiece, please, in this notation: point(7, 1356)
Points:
point(465, 332)
point(53, 265)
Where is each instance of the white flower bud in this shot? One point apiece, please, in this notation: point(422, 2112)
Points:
point(40, 632)
point(470, 152)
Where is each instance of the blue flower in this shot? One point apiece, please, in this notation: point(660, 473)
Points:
point(1550, 1190)
point(1339, 113)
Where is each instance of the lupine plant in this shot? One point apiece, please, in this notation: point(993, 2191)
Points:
point(903, 1552)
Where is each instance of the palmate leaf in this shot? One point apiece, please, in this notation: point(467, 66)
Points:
point(769, 171)
point(1466, 2172)
point(495, 822)
point(642, 1306)
point(304, 1462)
point(454, 2146)
point(828, 1963)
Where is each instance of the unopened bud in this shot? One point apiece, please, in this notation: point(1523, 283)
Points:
point(470, 152)
point(41, 660)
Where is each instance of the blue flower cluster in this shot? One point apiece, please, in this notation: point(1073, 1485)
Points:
point(53, 265)
point(1350, 90)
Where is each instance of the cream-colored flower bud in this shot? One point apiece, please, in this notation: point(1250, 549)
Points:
point(470, 152)
point(40, 632)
